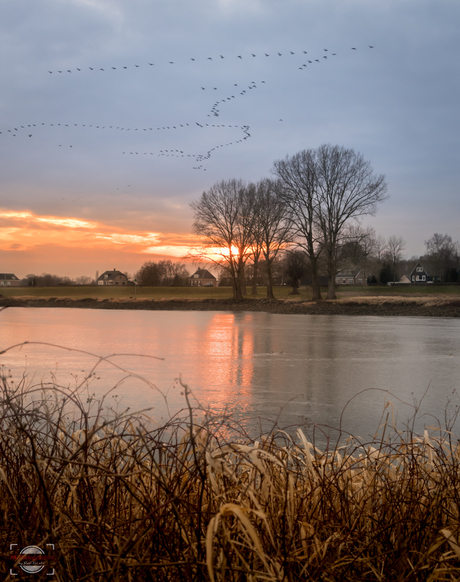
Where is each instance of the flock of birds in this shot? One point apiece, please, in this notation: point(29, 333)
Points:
point(289, 53)
point(238, 91)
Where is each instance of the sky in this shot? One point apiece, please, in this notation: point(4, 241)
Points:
point(160, 99)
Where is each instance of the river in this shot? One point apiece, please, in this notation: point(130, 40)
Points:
point(336, 371)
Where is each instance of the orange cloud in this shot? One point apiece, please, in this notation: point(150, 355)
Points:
point(23, 230)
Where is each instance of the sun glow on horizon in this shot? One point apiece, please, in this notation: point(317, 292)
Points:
point(26, 231)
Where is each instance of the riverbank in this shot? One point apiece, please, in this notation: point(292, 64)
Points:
point(197, 499)
point(402, 305)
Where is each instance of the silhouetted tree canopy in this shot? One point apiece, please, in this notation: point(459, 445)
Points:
point(162, 274)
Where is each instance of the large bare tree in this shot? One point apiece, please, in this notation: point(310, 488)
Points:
point(273, 226)
point(347, 189)
point(325, 189)
point(225, 220)
point(297, 187)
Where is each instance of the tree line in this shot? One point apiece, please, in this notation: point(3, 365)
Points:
point(306, 209)
point(163, 273)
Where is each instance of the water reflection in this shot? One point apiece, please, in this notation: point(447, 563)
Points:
point(252, 365)
point(229, 344)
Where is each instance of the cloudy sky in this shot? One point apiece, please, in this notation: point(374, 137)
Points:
point(159, 99)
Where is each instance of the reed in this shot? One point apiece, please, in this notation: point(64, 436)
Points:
point(123, 499)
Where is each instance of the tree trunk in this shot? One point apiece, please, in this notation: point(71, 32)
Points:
point(331, 288)
point(240, 280)
point(270, 294)
point(235, 287)
point(315, 280)
point(255, 271)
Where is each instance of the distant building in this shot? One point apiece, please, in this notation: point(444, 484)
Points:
point(352, 277)
point(113, 278)
point(419, 274)
point(202, 278)
point(9, 280)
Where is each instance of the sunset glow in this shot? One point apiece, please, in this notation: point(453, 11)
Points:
point(73, 245)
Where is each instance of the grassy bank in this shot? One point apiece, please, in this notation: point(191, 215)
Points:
point(193, 501)
point(281, 292)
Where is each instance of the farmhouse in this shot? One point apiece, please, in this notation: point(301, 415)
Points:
point(419, 274)
point(202, 278)
point(9, 280)
point(352, 277)
point(113, 278)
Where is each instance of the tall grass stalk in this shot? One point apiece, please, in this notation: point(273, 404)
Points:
point(125, 500)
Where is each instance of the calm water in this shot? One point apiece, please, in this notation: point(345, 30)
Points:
point(257, 366)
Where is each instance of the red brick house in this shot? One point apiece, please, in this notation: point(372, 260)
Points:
point(202, 278)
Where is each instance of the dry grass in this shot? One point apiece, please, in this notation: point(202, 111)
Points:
point(427, 300)
point(124, 500)
point(101, 292)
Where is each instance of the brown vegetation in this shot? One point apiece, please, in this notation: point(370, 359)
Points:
point(122, 499)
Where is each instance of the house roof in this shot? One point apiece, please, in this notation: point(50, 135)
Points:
point(202, 274)
point(418, 264)
point(8, 277)
point(107, 275)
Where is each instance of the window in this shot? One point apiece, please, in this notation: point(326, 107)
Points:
point(350, 281)
point(419, 269)
point(423, 278)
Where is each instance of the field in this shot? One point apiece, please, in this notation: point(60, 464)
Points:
point(282, 292)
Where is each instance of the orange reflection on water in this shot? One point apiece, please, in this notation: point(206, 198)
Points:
point(229, 343)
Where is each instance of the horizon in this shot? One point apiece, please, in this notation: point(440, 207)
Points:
point(115, 118)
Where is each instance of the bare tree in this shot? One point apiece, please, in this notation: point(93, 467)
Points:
point(443, 254)
point(225, 220)
point(380, 248)
point(297, 187)
point(83, 280)
point(164, 273)
point(395, 248)
point(325, 189)
point(357, 246)
point(347, 189)
point(295, 267)
point(273, 226)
